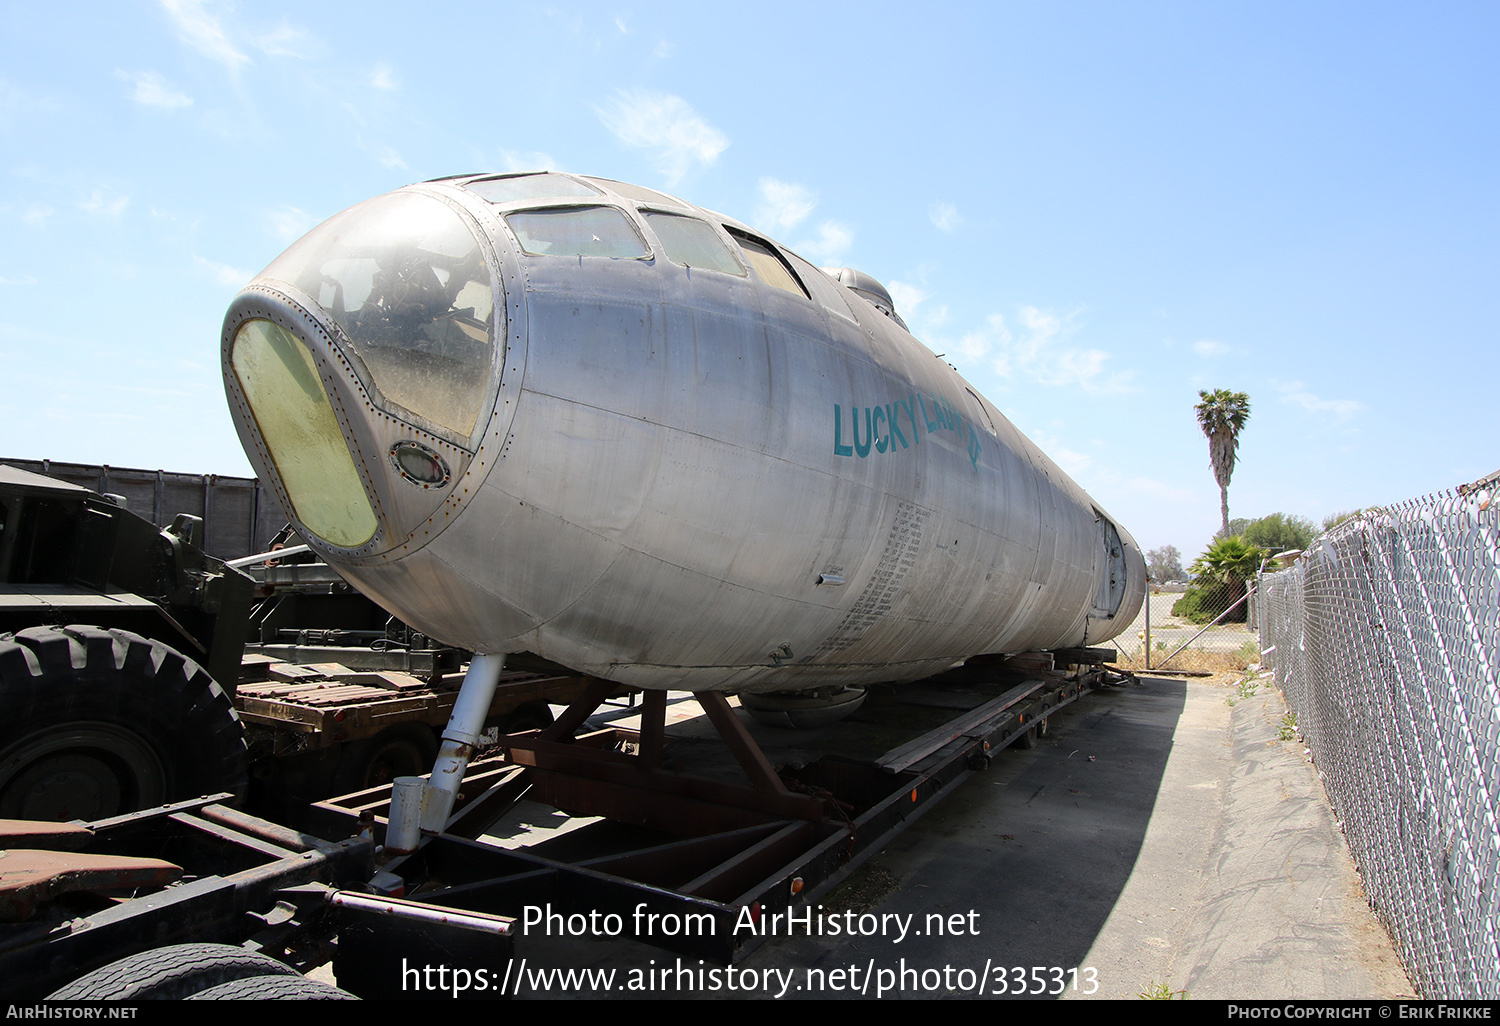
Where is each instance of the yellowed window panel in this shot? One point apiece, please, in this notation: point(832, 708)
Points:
point(296, 421)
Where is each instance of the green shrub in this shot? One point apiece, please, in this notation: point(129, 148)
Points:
point(1202, 605)
point(1221, 572)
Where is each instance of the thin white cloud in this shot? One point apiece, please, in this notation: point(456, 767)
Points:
point(223, 273)
point(663, 49)
point(288, 223)
point(1038, 351)
point(1160, 489)
point(620, 24)
point(15, 100)
point(1208, 347)
point(667, 125)
point(783, 205)
point(908, 299)
point(28, 280)
point(1073, 462)
point(924, 320)
point(944, 216)
point(389, 157)
point(974, 346)
point(383, 77)
point(287, 40)
point(527, 160)
point(829, 246)
point(1296, 393)
point(202, 31)
point(37, 214)
point(152, 90)
point(1104, 475)
point(96, 202)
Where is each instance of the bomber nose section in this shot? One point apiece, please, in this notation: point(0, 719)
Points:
point(361, 367)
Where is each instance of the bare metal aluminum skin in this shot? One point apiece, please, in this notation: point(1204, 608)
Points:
point(584, 419)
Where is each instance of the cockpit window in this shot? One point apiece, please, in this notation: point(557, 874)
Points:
point(299, 428)
point(639, 192)
point(769, 264)
point(577, 231)
point(512, 188)
point(405, 279)
point(692, 243)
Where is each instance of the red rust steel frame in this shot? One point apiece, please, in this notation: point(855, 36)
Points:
point(245, 874)
point(632, 788)
point(759, 847)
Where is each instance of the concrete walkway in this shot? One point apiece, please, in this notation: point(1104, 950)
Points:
point(1161, 837)
point(1243, 887)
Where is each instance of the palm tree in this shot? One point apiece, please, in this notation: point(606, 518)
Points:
point(1229, 563)
point(1222, 415)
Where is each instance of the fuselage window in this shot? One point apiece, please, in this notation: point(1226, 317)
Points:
point(586, 231)
point(769, 264)
point(530, 187)
point(692, 243)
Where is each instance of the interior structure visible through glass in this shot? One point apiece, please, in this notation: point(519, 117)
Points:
point(769, 264)
point(406, 280)
point(577, 231)
point(692, 243)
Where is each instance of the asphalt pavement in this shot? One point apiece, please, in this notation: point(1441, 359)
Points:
point(1161, 840)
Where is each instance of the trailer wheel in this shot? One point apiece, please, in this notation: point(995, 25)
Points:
point(405, 750)
point(171, 974)
point(97, 723)
point(531, 716)
point(274, 988)
point(1033, 734)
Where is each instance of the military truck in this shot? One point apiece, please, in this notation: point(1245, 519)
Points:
point(114, 635)
point(137, 669)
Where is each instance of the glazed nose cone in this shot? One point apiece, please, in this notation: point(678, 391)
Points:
point(362, 358)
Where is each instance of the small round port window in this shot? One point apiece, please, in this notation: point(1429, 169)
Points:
point(420, 465)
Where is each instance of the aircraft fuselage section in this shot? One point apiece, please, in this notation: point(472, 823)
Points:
point(686, 459)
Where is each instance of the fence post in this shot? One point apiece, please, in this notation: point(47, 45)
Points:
point(1238, 602)
point(1148, 623)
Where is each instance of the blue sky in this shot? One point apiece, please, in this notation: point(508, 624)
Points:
point(1094, 210)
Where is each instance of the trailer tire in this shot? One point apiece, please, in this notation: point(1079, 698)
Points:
point(171, 974)
point(274, 988)
point(96, 723)
point(405, 750)
point(531, 716)
point(1033, 734)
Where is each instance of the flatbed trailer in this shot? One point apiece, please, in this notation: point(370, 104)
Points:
point(319, 729)
point(695, 832)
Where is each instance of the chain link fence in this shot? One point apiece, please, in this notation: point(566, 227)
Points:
point(1385, 638)
point(1191, 627)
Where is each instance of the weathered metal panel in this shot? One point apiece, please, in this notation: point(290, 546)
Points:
point(676, 457)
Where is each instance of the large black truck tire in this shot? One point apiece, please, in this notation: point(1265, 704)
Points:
point(274, 988)
point(95, 723)
point(172, 974)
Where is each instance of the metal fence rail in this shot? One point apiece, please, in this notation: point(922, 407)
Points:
point(1385, 638)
